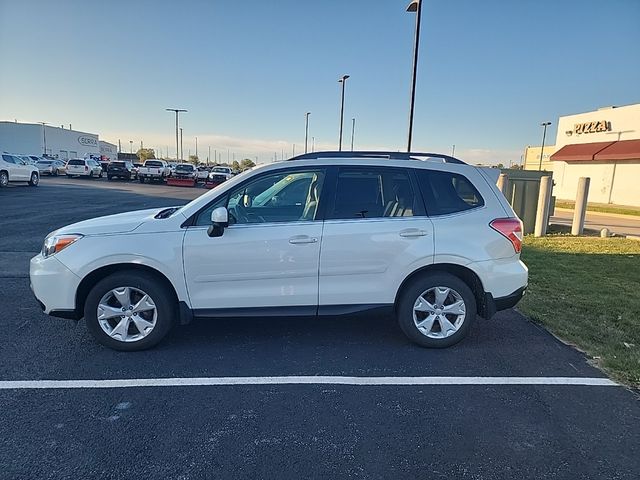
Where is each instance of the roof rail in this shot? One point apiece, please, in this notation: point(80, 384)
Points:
point(378, 154)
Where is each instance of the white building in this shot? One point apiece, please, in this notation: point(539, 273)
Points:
point(36, 139)
point(108, 151)
point(603, 145)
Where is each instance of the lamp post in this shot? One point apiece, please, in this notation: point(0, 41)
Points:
point(342, 80)
point(313, 144)
point(353, 131)
point(414, 6)
point(196, 146)
point(544, 126)
point(130, 146)
point(306, 130)
point(177, 111)
point(181, 150)
point(44, 135)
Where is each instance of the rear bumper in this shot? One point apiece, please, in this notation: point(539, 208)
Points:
point(509, 301)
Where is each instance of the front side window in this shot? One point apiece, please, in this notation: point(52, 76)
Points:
point(373, 193)
point(8, 158)
point(447, 192)
point(290, 196)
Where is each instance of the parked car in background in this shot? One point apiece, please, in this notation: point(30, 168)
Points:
point(153, 170)
point(219, 175)
point(136, 168)
point(120, 169)
point(172, 168)
point(202, 173)
point(50, 167)
point(425, 238)
point(83, 167)
point(14, 169)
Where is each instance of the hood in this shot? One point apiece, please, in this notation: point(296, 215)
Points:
point(119, 223)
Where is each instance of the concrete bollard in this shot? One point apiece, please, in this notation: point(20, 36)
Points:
point(503, 183)
point(544, 202)
point(604, 233)
point(580, 209)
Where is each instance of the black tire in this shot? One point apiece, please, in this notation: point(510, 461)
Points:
point(161, 295)
point(100, 175)
point(34, 180)
point(4, 179)
point(91, 174)
point(55, 172)
point(420, 285)
point(141, 179)
point(109, 177)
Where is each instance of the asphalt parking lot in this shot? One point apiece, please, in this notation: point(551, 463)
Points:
point(255, 429)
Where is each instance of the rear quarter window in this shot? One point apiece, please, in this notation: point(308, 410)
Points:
point(447, 192)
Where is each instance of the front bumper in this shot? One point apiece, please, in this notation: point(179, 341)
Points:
point(54, 286)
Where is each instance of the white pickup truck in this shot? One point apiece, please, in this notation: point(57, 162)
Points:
point(157, 170)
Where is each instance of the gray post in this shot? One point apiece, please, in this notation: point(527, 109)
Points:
point(581, 206)
point(503, 183)
point(542, 214)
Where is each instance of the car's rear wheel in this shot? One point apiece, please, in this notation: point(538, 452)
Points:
point(34, 180)
point(129, 311)
point(436, 310)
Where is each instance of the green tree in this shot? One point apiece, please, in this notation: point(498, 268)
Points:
point(145, 154)
point(193, 159)
point(246, 164)
point(235, 166)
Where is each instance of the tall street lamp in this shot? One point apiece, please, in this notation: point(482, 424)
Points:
point(544, 126)
point(342, 80)
point(306, 130)
point(353, 131)
point(196, 146)
point(130, 146)
point(44, 135)
point(177, 110)
point(181, 149)
point(414, 6)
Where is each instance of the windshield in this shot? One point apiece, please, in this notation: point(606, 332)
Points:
point(221, 170)
point(152, 163)
point(185, 167)
point(45, 162)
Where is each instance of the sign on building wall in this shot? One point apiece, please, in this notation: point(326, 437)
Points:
point(87, 141)
point(592, 127)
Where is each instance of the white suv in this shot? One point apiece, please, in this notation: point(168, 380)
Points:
point(14, 169)
point(83, 167)
point(422, 236)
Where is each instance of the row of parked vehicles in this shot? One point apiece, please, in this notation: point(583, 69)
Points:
point(29, 168)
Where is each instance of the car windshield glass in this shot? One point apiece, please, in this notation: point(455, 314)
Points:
point(117, 164)
point(220, 170)
point(45, 162)
point(153, 164)
point(76, 162)
point(184, 167)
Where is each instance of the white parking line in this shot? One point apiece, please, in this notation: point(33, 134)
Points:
point(299, 380)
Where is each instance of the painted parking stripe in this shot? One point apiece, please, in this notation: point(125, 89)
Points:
point(299, 380)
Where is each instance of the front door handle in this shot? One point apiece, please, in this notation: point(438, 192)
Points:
point(413, 232)
point(300, 239)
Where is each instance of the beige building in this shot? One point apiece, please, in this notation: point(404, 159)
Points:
point(603, 145)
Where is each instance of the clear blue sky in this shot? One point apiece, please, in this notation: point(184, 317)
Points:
point(489, 71)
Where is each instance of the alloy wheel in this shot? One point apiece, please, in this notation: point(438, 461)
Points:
point(127, 314)
point(439, 312)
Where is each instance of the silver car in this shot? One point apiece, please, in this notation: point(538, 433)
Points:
point(50, 167)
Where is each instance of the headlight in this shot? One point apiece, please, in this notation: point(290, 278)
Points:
point(55, 243)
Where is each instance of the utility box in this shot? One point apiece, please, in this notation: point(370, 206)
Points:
point(522, 192)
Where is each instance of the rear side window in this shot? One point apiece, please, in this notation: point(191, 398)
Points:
point(446, 192)
point(373, 193)
point(8, 158)
point(76, 162)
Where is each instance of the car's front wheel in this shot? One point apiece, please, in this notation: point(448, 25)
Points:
point(34, 180)
point(129, 311)
point(436, 310)
point(4, 179)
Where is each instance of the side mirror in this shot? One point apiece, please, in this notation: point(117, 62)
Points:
point(219, 221)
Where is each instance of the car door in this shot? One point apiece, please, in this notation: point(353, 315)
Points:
point(375, 232)
point(268, 255)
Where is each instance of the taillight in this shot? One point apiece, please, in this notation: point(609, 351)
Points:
point(511, 229)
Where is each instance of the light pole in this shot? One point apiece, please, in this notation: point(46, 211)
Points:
point(306, 130)
point(196, 146)
point(313, 144)
point(453, 150)
point(544, 126)
point(414, 6)
point(44, 135)
point(181, 150)
point(353, 131)
point(177, 111)
point(342, 80)
point(208, 155)
point(130, 146)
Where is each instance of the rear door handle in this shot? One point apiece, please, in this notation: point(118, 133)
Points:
point(413, 232)
point(300, 239)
